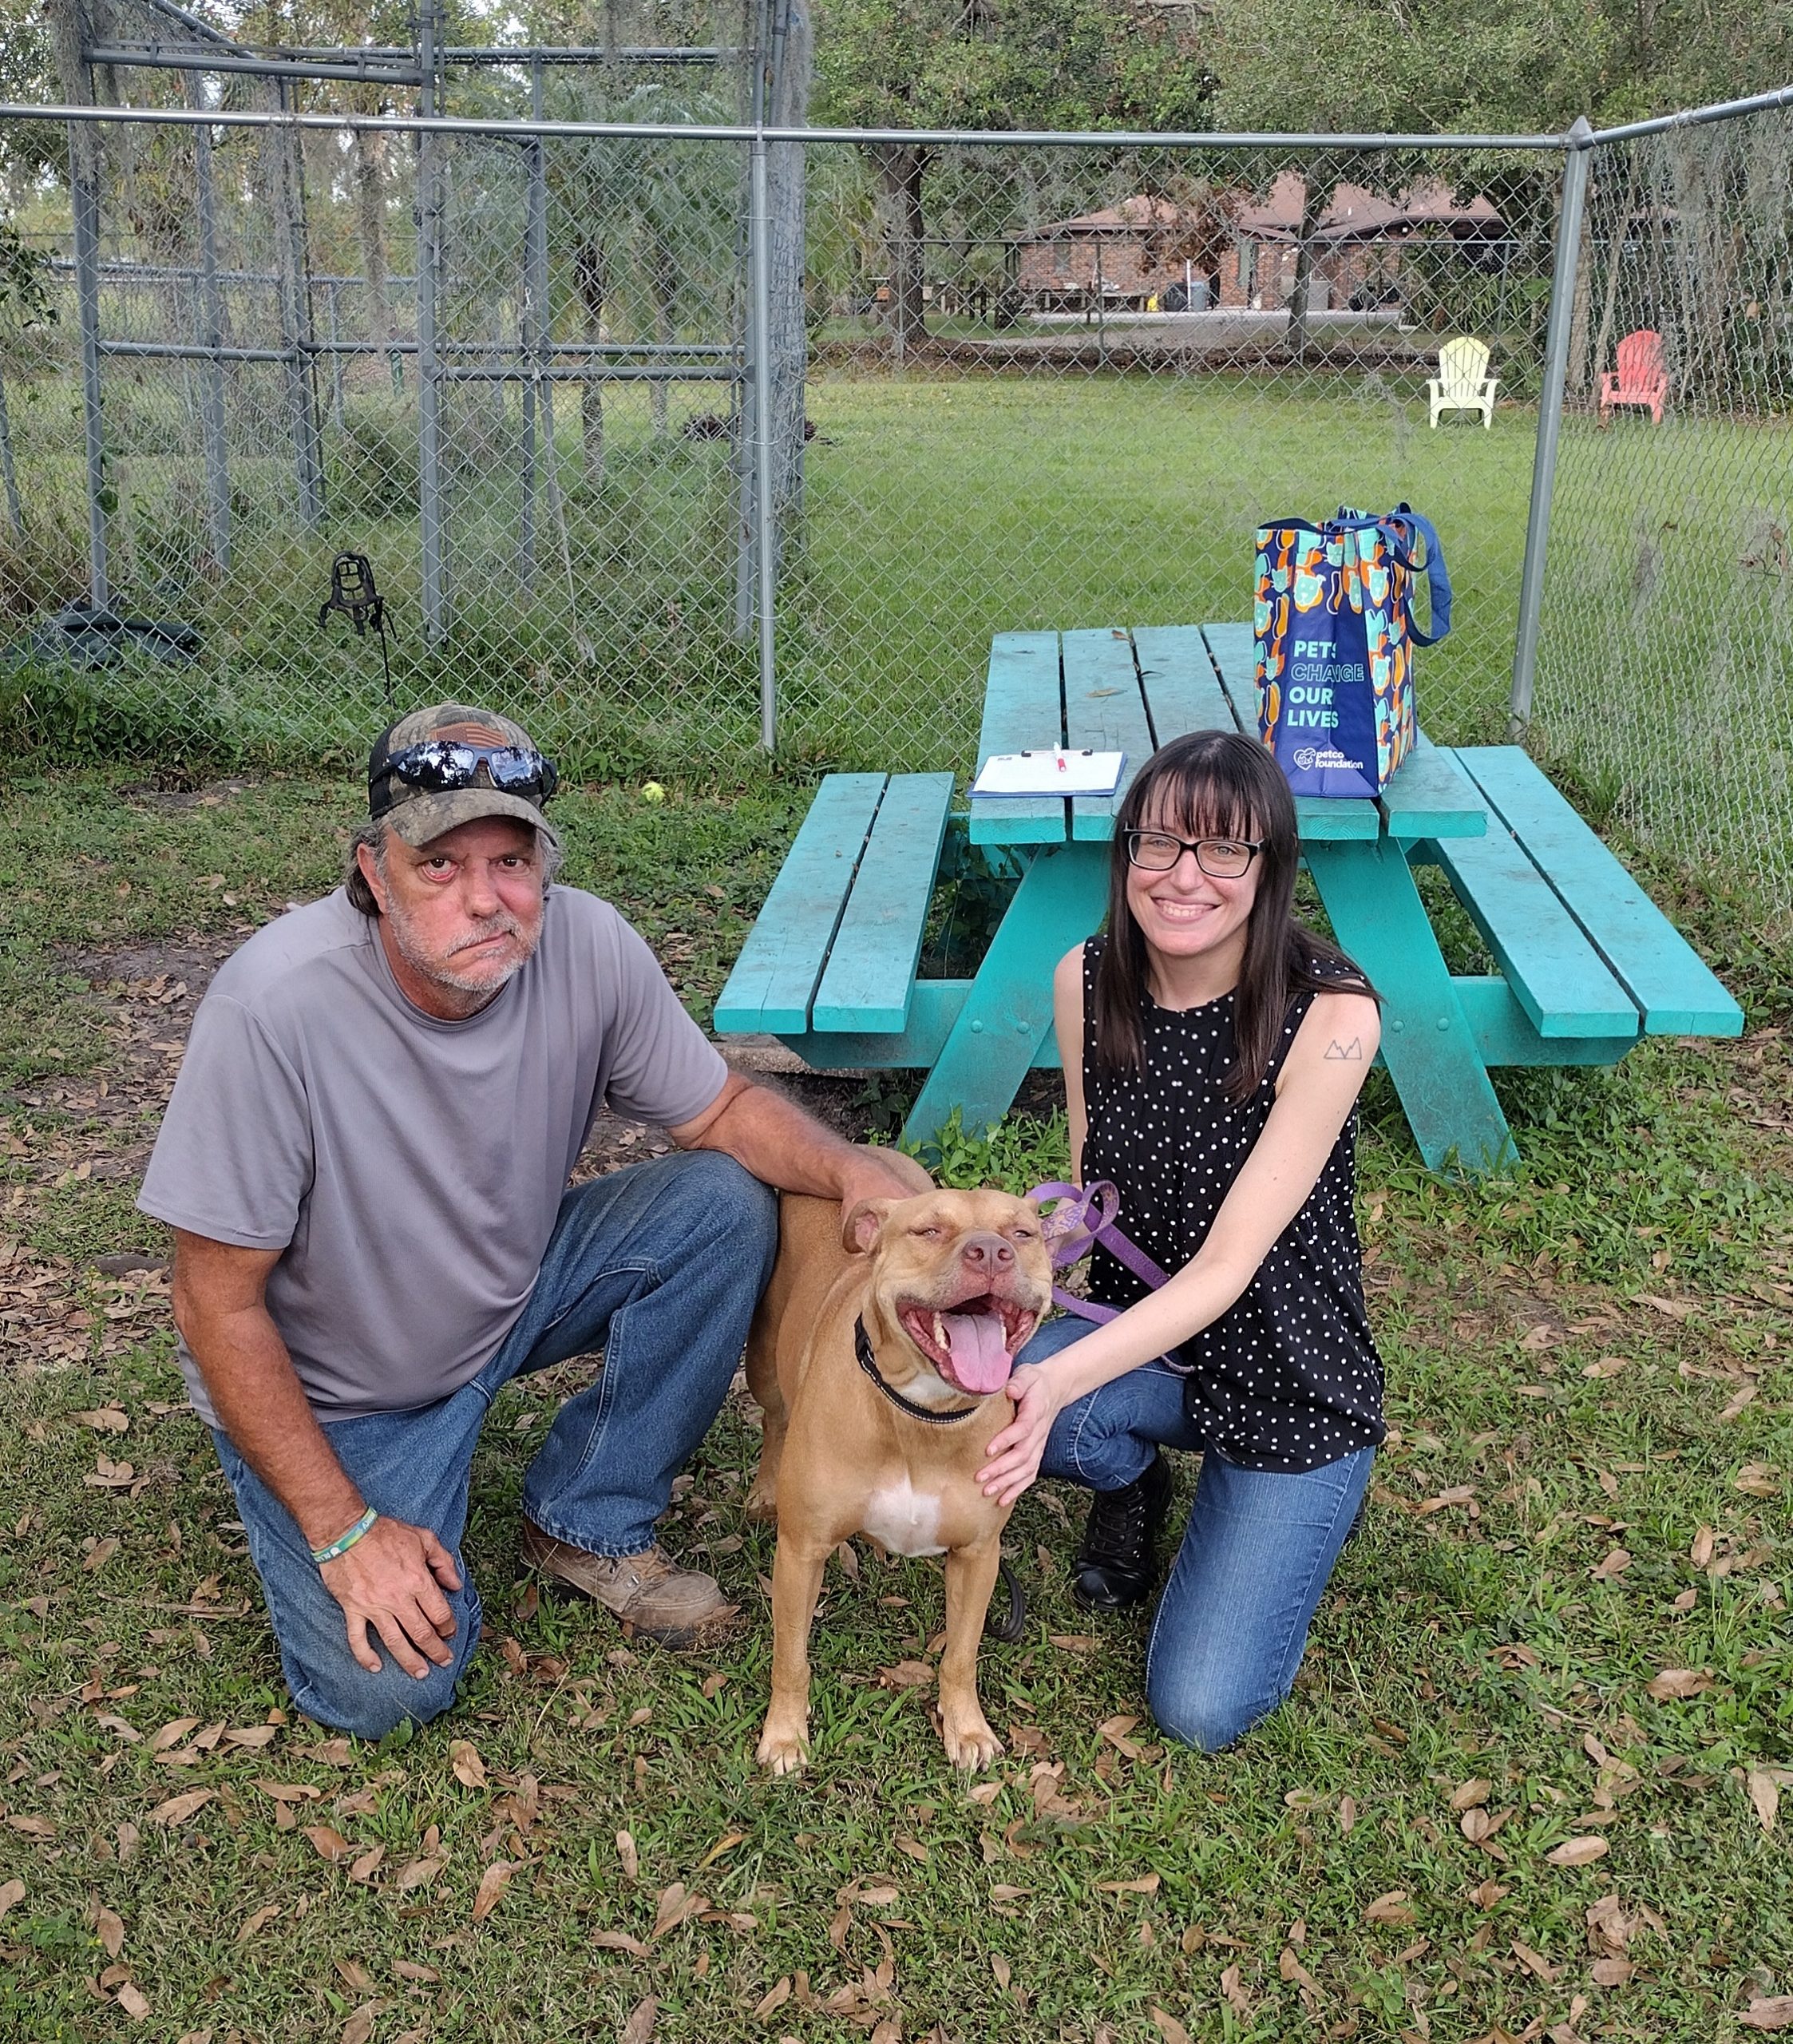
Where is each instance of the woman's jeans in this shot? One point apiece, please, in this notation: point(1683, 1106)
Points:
point(660, 1266)
point(1232, 1624)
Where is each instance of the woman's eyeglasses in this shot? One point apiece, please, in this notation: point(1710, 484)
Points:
point(1220, 858)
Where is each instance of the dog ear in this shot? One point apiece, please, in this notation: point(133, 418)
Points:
point(863, 1225)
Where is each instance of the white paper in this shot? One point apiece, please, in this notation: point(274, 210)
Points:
point(1050, 770)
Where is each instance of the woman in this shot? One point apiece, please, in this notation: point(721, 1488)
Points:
point(1214, 1051)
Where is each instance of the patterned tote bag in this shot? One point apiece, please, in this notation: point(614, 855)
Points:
point(1335, 634)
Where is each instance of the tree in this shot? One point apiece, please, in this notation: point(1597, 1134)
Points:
point(995, 63)
point(1486, 66)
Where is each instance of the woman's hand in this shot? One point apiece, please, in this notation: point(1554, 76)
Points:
point(1015, 1453)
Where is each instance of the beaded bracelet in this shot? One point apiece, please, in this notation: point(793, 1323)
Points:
point(343, 1541)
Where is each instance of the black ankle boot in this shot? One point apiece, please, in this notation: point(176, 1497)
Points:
point(1117, 1560)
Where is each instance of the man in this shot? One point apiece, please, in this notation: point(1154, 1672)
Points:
point(365, 1160)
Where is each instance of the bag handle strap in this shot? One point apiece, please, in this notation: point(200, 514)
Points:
point(1438, 577)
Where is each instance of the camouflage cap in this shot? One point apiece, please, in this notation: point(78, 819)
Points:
point(420, 815)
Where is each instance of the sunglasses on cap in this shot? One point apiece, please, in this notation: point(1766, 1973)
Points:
point(440, 765)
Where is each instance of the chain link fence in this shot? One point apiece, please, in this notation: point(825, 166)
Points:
point(1665, 667)
point(1004, 386)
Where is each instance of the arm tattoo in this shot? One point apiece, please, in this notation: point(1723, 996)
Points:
point(1351, 1053)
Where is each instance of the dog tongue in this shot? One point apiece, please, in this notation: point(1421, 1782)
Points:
point(979, 1356)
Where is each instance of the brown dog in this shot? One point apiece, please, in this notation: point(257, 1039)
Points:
point(935, 1294)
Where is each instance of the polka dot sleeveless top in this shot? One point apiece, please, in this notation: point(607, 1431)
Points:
point(1288, 1378)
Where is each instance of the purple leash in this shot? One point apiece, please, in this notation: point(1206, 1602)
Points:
point(1083, 1217)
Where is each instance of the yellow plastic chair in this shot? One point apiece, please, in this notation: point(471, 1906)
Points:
point(1462, 383)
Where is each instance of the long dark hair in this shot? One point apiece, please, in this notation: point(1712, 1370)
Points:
point(1217, 784)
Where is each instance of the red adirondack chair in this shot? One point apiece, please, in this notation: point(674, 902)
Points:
point(1641, 379)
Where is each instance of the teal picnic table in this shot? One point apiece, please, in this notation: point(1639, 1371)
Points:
point(1585, 964)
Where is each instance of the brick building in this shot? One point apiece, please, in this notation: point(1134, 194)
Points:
point(1244, 250)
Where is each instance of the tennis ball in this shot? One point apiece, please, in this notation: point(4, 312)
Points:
point(652, 791)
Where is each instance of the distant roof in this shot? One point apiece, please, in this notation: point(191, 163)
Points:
point(1130, 216)
point(1356, 214)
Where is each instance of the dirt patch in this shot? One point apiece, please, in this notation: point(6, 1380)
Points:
point(170, 800)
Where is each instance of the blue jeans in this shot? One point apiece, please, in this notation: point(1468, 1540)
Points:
point(660, 1266)
point(1232, 1624)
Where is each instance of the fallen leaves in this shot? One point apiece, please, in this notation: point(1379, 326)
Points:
point(1771, 2012)
point(1470, 1794)
point(1169, 2028)
point(1459, 1496)
point(105, 1419)
point(640, 2025)
point(329, 1844)
point(360, 2026)
point(1675, 1685)
point(676, 1905)
point(773, 1998)
point(492, 1883)
point(469, 1769)
point(1675, 1309)
point(1535, 1961)
point(417, 1873)
point(625, 1853)
point(12, 1893)
point(621, 1941)
point(1389, 1908)
point(1615, 1563)
point(1114, 1731)
point(1579, 1851)
point(178, 1808)
point(906, 1675)
point(110, 1930)
point(1764, 1794)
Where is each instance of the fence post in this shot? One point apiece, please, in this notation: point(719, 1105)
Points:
point(1550, 424)
point(428, 254)
point(287, 168)
point(15, 508)
point(760, 348)
point(534, 330)
point(333, 299)
point(86, 140)
point(210, 335)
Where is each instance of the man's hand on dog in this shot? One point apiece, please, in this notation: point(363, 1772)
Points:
point(865, 1175)
point(391, 1579)
point(1015, 1453)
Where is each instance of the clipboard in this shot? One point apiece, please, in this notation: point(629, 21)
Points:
point(1049, 770)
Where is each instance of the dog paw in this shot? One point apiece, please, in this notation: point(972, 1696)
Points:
point(763, 1502)
point(782, 1752)
point(971, 1743)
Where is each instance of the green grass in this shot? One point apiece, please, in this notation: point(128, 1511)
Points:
point(939, 508)
point(1467, 1637)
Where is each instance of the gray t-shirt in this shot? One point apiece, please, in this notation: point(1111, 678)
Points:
point(410, 1169)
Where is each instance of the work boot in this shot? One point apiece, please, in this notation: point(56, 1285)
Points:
point(654, 1600)
point(1117, 1561)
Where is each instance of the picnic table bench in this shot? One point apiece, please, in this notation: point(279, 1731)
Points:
point(1587, 964)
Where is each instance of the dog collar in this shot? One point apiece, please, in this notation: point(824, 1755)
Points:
point(869, 1362)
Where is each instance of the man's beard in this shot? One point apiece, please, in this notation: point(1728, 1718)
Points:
point(473, 989)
